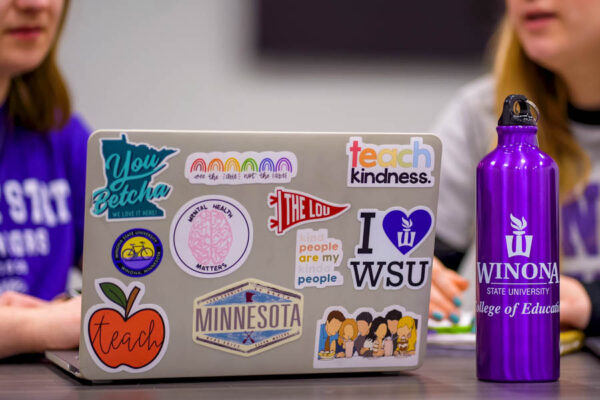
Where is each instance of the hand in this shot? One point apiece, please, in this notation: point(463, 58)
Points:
point(64, 324)
point(15, 299)
point(575, 304)
point(55, 325)
point(446, 292)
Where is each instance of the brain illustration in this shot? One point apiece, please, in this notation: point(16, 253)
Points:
point(210, 237)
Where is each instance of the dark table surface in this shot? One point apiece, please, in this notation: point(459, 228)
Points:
point(444, 375)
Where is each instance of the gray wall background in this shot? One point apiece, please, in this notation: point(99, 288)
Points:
point(191, 65)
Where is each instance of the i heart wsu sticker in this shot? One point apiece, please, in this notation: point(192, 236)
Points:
point(407, 229)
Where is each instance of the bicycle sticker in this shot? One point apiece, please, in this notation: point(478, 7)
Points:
point(137, 252)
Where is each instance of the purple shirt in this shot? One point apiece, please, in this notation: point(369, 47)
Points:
point(42, 200)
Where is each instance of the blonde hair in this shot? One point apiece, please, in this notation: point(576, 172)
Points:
point(410, 323)
point(39, 99)
point(351, 322)
point(515, 72)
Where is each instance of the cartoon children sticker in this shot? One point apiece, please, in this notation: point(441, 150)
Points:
point(407, 336)
point(378, 341)
point(366, 338)
point(329, 334)
point(363, 322)
point(392, 318)
point(347, 335)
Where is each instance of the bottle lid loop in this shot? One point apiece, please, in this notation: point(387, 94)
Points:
point(517, 111)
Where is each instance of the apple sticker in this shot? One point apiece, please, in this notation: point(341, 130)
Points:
point(121, 334)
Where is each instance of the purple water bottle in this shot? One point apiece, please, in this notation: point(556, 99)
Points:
point(517, 254)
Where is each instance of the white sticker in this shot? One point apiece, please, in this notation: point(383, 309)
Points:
point(387, 238)
point(234, 168)
point(317, 255)
point(390, 165)
point(211, 236)
point(367, 338)
point(120, 333)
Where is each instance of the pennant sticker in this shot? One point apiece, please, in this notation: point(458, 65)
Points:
point(293, 208)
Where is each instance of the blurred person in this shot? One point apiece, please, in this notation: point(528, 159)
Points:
point(548, 50)
point(42, 182)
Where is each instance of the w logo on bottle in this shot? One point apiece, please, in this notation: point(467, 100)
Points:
point(517, 249)
point(406, 237)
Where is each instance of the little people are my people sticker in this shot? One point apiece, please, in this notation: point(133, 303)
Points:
point(120, 333)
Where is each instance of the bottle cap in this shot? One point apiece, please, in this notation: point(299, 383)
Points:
point(517, 111)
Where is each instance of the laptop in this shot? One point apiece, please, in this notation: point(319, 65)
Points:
point(255, 253)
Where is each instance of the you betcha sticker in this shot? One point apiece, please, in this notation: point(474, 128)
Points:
point(129, 170)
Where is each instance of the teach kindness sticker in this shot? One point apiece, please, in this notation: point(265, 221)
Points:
point(390, 165)
point(129, 170)
point(211, 236)
point(137, 252)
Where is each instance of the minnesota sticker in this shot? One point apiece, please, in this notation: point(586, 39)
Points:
point(248, 317)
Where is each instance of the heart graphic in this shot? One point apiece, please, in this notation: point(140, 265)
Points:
point(406, 230)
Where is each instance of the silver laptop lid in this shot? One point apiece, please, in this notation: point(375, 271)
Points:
point(245, 253)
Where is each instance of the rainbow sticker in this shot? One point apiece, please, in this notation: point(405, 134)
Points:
point(234, 168)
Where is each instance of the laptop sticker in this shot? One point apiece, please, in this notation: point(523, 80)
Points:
point(137, 252)
point(211, 236)
point(367, 338)
point(383, 254)
point(121, 334)
point(233, 168)
point(317, 255)
point(248, 317)
point(129, 171)
point(293, 208)
point(390, 165)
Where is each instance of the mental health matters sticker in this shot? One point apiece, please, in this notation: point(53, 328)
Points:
point(129, 171)
point(211, 236)
point(247, 318)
